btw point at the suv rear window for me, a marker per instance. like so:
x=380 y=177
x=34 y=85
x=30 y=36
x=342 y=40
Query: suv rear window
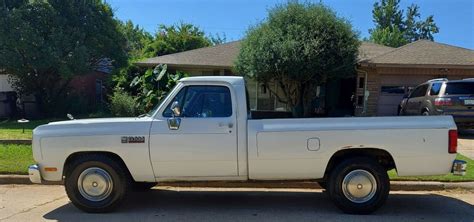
x=458 y=88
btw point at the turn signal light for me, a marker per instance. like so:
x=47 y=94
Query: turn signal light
x=50 y=169
x=453 y=141
x=443 y=102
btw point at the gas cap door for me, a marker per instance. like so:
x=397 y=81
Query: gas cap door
x=313 y=144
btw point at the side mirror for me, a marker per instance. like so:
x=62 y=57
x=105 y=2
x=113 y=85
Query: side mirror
x=175 y=108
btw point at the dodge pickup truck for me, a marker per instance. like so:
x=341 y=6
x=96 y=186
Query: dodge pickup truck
x=204 y=131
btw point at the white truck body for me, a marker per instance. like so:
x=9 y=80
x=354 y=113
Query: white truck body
x=237 y=147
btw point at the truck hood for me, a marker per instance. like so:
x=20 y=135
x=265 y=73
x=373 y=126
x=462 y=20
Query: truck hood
x=99 y=126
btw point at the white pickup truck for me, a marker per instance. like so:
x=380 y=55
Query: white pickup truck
x=204 y=131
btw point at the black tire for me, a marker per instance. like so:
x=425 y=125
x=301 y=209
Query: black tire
x=323 y=184
x=143 y=186
x=425 y=113
x=118 y=175
x=359 y=165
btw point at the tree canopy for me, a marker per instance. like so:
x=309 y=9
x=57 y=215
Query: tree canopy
x=393 y=28
x=299 y=46
x=44 y=44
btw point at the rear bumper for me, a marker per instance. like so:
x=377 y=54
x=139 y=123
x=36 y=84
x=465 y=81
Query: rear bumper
x=459 y=167
x=34 y=173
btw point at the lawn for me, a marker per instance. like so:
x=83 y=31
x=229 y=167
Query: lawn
x=443 y=178
x=11 y=129
x=15 y=159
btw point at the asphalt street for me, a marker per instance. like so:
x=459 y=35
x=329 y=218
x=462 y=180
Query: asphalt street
x=50 y=203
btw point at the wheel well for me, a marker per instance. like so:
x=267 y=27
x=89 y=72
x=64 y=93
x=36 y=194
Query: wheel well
x=381 y=156
x=111 y=155
x=424 y=109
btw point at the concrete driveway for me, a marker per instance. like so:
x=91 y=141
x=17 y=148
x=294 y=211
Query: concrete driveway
x=38 y=203
x=466 y=144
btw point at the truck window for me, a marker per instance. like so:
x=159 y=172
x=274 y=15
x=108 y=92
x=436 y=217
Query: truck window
x=203 y=102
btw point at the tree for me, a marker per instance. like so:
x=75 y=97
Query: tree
x=299 y=46
x=176 y=38
x=137 y=38
x=394 y=29
x=44 y=44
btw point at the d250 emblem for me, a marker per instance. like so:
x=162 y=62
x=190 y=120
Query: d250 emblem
x=133 y=139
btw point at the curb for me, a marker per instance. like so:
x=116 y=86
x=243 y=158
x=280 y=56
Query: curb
x=19 y=142
x=394 y=185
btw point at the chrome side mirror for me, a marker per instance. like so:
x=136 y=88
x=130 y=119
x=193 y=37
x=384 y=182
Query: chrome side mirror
x=174 y=121
x=175 y=109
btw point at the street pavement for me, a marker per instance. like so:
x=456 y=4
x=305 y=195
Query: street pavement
x=50 y=203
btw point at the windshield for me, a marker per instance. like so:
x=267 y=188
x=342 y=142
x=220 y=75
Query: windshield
x=460 y=88
x=152 y=111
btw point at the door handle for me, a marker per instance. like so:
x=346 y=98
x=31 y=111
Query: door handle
x=230 y=125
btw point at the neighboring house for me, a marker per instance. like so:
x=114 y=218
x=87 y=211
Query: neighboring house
x=88 y=88
x=384 y=75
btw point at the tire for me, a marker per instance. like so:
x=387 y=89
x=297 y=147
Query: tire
x=356 y=171
x=143 y=186
x=425 y=113
x=323 y=184
x=109 y=183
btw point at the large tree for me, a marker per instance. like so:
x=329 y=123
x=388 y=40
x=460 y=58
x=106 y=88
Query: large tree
x=45 y=43
x=393 y=28
x=298 y=47
x=176 y=38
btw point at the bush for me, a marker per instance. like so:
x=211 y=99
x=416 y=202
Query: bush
x=122 y=104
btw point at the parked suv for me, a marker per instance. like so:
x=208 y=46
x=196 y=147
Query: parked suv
x=442 y=97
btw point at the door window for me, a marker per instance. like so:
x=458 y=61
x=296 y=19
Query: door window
x=419 y=91
x=203 y=102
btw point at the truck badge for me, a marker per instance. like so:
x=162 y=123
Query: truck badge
x=133 y=139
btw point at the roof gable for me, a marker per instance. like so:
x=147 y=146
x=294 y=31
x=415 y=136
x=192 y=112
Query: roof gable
x=425 y=52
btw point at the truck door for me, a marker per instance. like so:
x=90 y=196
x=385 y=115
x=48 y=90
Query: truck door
x=200 y=141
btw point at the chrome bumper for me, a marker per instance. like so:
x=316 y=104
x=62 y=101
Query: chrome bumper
x=34 y=173
x=459 y=167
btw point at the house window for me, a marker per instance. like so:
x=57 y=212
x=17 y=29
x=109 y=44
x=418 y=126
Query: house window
x=361 y=82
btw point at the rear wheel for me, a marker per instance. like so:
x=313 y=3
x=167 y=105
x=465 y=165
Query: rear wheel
x=359 y=185
x=96 y=183
x=425 y=113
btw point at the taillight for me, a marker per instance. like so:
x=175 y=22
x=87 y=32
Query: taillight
x=443 y=102
x=453 y=141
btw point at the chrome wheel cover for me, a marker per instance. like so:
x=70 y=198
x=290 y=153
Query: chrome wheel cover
x=359 y=186
x=95 y=184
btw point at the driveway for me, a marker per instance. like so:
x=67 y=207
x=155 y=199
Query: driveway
x=466 y=144
x=38 y=203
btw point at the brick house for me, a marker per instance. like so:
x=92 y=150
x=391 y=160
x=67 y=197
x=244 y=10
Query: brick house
x=384 y=75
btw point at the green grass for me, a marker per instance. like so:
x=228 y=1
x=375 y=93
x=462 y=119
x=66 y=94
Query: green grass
x=15 y=159
x=442 y=178
x=11 y=129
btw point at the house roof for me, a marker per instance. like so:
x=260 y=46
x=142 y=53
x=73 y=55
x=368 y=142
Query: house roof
x=425 y=53
x=224 y=55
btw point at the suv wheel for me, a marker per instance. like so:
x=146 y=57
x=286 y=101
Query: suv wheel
x=425 y=113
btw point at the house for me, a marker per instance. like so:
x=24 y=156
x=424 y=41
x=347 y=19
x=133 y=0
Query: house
x=88 y=88
x=384 y=75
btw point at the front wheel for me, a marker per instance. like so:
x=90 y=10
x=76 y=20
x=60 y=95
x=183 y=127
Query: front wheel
x=96 y=183
x=359 y=185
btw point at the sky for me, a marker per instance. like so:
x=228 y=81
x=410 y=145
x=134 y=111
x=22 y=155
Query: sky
x=455 y=18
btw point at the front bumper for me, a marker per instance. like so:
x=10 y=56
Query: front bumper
x=459 y=167
x=34 y=173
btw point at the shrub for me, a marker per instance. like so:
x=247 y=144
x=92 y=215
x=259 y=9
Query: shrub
x=122 y=104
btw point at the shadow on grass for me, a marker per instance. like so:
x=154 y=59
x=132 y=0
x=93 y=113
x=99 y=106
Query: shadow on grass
x=164 y=205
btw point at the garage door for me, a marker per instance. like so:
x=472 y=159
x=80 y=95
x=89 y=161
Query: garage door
x=389 y=99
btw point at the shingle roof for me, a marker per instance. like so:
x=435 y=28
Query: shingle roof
x=424 y=52
x=224 y=55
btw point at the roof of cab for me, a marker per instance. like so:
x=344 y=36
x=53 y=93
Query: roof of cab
x=233 y=80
